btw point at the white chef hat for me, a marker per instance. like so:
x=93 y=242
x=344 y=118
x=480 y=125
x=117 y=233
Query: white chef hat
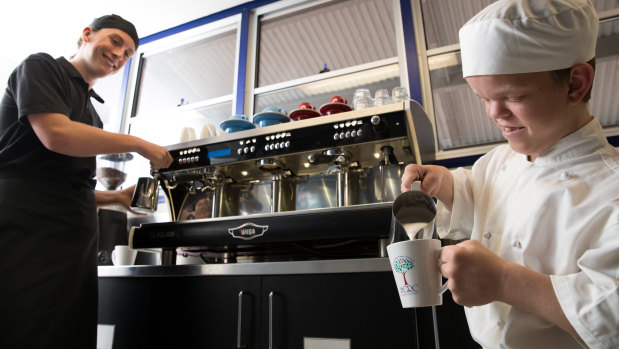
x=526 y=36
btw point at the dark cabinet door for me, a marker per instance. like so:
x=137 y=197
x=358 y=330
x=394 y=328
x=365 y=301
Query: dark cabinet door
x=125 y=303
x=204 y=312
x=277 y=312
x=362 y=307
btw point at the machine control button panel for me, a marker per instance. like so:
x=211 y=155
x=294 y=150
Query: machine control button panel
x=277 y=142
x=335 y=133
x=348 y=130
x=189 y=156
x=247 y=146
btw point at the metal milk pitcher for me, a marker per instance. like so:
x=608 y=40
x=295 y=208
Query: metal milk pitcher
x=146 y=195
x=413 y=215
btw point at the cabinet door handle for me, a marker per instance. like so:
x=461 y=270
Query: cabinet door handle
x=271 y=294
x=239 y=326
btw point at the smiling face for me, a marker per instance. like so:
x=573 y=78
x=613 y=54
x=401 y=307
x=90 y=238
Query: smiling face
x=103 y=52
x=532 y=110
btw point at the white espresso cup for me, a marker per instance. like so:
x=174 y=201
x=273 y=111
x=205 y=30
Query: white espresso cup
x=123 y=255
x=416 y=271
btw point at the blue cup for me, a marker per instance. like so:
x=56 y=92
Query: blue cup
x=275 y=110
x=267 y=122
x=239 y=117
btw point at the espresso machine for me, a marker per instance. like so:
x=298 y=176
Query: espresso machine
x=319 y=188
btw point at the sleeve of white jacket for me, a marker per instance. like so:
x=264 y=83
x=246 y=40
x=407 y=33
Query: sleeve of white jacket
x=590 y=298
x=457 y=224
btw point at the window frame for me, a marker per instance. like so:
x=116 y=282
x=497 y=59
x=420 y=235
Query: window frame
x=475 y=150
x=283 y=8
x=170 y=40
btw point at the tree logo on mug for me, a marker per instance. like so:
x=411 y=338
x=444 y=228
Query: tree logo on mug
x=403 y=264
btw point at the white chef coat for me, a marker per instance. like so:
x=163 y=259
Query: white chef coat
x=559 y=216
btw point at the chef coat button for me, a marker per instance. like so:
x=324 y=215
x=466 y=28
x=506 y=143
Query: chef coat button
x=564 y=176
x=487 y=235
x=501 y=324
x=503 y=168
x=516 y=244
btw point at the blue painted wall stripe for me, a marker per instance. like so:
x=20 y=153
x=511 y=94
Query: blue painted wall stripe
x=410 y=49
x=242 y=71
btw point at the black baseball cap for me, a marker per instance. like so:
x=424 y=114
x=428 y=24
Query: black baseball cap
x=117 y=22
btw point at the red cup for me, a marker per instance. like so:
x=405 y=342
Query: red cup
x=306 y=105
x=338 y=99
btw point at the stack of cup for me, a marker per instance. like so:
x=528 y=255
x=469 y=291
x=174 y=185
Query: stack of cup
x=208 y=130
x=362 y=99
x=399 y=94
x=188 y=134
x=381 y=97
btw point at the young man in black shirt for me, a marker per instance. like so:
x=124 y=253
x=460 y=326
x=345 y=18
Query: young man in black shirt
x=50 y=134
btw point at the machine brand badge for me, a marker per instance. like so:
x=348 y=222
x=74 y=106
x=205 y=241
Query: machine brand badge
x=402 y=264
x=248 y=231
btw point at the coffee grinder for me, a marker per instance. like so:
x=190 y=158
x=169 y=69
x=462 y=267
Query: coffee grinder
x=112 y=218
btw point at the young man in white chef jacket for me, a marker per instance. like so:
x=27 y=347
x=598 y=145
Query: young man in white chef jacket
x=542 y=213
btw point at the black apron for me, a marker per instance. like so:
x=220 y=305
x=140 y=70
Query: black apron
x=48 y=268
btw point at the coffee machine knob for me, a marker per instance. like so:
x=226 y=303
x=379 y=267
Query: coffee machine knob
x=375 y=120
x=380 y=125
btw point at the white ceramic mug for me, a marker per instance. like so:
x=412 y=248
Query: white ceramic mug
x=208 y=130
x=123 y=255
x=416 y=271
x=188 y=134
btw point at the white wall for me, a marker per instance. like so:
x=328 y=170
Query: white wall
x=30 y=26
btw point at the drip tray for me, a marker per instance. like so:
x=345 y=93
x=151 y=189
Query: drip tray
x=286 y=251
x=308 y=231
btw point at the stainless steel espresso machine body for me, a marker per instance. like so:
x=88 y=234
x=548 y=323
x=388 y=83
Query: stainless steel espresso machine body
x=310 y=189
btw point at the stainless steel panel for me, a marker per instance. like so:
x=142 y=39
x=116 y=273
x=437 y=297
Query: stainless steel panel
x=272 y=268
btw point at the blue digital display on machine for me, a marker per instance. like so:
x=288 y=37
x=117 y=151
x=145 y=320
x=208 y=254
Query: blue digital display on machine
x=218 y=153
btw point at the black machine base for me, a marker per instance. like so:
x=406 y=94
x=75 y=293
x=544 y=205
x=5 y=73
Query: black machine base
x=320 y=233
